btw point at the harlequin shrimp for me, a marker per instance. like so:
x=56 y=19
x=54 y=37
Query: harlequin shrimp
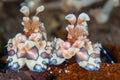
x=32 y=49
x=88 y=54
x=29 y=47
x=77 y=45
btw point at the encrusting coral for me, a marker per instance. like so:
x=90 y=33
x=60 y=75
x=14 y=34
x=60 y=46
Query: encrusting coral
x=33 y=49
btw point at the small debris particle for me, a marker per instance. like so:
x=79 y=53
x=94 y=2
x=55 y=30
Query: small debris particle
x=108 y=65
x=60 y=70
x=108 y=73
x=49 y=68
x=67 y=71
x=51 y=72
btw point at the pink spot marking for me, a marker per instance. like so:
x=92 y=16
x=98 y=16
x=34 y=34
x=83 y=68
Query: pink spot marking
x=66 y=54
x=72 y=53
x=78 y=44
x=45 y=55
x=33 y=36
x=11 y=52
x=15 y=65
x=32 y=53
x=82 y=55
x=95 y=55
x=60 y=53
x=21 y=53
x=65 y=45
x=21 y=39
